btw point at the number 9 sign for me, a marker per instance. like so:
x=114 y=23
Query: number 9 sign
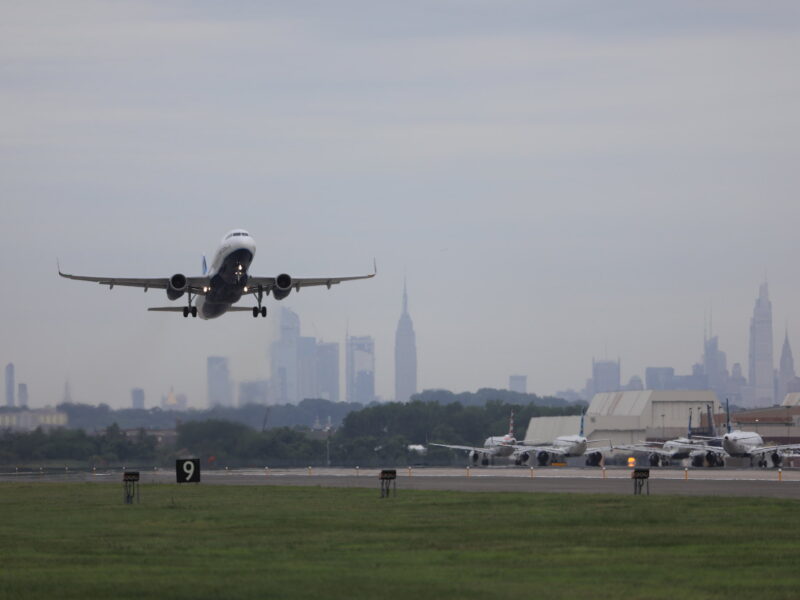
x=187 y=470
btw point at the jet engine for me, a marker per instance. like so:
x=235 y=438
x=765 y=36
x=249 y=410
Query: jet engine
x=543 y=458
x=593 y=459
x=776 y=459
x=283 y=285
x=474 y=457
x=522 y=459
x=698 y=459
x=176 y=286
x=655 y=460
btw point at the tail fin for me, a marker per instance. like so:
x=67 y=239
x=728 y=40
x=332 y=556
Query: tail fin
x=581 y=431
x=727 y=415
x=689 y=432
x=205 y=265
x=511 y=424
x=711 y=424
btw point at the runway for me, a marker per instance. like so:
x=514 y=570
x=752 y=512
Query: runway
x=693 y=482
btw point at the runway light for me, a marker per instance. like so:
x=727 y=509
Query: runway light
x=631 y=461
x=245 y=289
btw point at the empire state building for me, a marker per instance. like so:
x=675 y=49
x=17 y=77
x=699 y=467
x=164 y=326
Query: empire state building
x=405 y=356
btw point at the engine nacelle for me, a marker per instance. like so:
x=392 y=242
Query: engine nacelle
x=593 y=459
x=522 y=459
x=177 y=286
x=543 y=458
x=283 y=285
x=474 y=457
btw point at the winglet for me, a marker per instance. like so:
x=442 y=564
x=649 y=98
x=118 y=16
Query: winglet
x=58 y=266
x=374 y=267
x=205 y=265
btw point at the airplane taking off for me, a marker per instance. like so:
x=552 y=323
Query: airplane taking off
x=562 y=447
x=216 y=291
x=498 y=446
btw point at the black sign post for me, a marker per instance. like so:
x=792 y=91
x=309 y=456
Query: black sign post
x=640 y=477
x=130 y=484
x=187 y=470
x=388 y=479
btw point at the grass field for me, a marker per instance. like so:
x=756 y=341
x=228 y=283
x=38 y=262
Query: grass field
x=79 y=541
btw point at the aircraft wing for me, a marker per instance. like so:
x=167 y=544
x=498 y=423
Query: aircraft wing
x=702 y=447
x=298 y=282
x=643 y=448
x=788 y=448
x=549 y=449
x=194 y=284
x=466 y=448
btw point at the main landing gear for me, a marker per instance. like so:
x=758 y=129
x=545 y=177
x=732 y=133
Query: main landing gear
x=189 y=310
x=259 y=310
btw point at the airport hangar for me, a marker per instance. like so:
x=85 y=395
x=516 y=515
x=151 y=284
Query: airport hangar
x=629 y=417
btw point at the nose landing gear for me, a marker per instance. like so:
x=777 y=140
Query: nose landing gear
x=259 y=310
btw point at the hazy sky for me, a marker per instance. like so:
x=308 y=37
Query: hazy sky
x=559 y=180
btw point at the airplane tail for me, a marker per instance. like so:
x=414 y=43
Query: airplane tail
x=511 y=424
x=205 y=265
x=727 y=415
x=712 y=425
x=689 y=432
x=582 y=417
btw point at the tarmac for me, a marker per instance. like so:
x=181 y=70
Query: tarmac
x=771 y=483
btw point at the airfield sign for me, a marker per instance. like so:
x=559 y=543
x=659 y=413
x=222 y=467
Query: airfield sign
x=187 y=470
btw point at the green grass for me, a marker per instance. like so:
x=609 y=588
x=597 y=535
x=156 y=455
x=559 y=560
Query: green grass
x=80 y=541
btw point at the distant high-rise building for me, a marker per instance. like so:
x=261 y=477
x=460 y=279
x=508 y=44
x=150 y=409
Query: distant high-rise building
x=254 y=392
x=405 y=355
x=328 y=371
x=786 y=372
x=22 y=394
x=715 y=367
x=220 y=390
x=307 y=368
x=518 y=383
x=137 y=398
x=658 y=378
x=635 y=384
x=761 y=382
x=11 y=387
x=284 y=360
x=360 y=366
x=606 y=375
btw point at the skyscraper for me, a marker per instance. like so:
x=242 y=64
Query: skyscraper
x=328 y=371
x=761 y=382
x=220 y=390
x=283 y=360
x=405 y=355
x=360 y=369
x=606 y=375
x=715 y=367
x=137 y=398
x=786 y=372
x=11 y=388
x=22 y=394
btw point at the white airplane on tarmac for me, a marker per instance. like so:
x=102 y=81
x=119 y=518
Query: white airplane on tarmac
x=217 y=290
x=497 y=446
x=746 y=444
x=562 y=447
x=662 y=454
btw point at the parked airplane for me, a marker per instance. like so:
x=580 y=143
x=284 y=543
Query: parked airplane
x=746 y=444
x=217 y=290
x=562 y=447
x=498 y=446
x=662 y=454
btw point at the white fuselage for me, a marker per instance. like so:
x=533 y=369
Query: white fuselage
x=227 y=274
x=572 y=445
x=741 y=443
x=500 y=445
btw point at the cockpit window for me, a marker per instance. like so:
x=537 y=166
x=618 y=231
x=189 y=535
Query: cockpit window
x=236 y=233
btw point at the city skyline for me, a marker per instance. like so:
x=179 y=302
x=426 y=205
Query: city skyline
x=559 y=183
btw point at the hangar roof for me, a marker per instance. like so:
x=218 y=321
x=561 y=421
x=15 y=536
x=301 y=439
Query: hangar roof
x=634 y=404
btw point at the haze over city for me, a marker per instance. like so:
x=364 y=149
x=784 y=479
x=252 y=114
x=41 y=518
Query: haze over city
x=556 y=181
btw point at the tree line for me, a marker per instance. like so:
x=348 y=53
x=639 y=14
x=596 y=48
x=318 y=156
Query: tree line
x=372 y=436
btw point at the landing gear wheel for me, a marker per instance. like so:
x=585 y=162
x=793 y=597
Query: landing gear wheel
x=255 y=311
x=185 y=311
x=194 y=311
x=263 y=311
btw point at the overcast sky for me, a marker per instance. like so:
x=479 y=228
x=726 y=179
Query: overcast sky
x=558 y=180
